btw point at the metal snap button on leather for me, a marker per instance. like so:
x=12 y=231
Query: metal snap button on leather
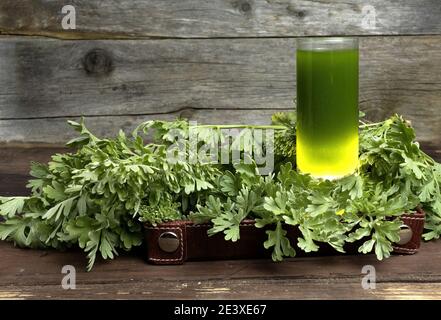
x=405 y=235
x=168 y=242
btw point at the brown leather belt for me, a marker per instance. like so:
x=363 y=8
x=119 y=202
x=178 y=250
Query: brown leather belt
x=180 y=241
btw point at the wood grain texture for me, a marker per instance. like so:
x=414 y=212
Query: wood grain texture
x=56 y=130
x=36 y=274
x=120 y=83
x=15 y=165
x=220 y=18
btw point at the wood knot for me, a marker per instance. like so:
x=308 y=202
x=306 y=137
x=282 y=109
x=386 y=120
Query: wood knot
x=187 y=113
x=98 y=62
x=243 y=6
x=296 y=12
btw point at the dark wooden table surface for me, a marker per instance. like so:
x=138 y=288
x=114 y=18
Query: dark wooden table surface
x=32 y=274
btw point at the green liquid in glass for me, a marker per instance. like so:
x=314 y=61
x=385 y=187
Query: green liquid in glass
x=327 y=111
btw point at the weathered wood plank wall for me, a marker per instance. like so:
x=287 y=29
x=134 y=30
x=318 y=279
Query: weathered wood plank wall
x=45 y=82
x=213 y=61
x=219 y=18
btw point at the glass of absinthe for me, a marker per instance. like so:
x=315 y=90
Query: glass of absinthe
x=327 y=106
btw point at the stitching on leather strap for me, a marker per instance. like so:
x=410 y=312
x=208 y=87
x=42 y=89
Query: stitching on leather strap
x=210 y=225
x=404 y=249
x=413 y=218
x=198 y=225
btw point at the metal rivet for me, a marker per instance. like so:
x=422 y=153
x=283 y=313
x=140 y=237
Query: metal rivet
x=168 y=242
x=405 y=235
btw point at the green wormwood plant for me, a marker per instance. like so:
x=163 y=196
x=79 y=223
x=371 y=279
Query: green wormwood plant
x=99 y=197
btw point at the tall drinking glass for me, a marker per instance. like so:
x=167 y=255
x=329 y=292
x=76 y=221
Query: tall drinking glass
x=327 y=106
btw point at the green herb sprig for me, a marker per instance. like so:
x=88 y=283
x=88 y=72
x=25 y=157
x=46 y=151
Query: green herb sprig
x=99 y=197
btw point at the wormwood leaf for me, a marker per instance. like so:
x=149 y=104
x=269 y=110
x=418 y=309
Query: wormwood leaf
x=383 y=248
x=55 y=192
x=85 y=135
x=413 y=166
x=99 y=196
x=287 y=119
x=107 y=244
x=230 y=184
x=276 y=205
x=353 y=184
x=427 y=191
x=280 y=243
x=228 y=222
x=367 y=246
x=61 y=209
x=359 y=234
x=247 y=200
x=8 y=228
x=17 y=230
x=285 y=140
x=249 y=170
x=78 y=230
x=10 y=207
x=130 y=239
x=320 y=203
x=92 y=249
x=287 y=176
x=39 y=170
x=82 y=205
x=306 y=243
x=212 y=209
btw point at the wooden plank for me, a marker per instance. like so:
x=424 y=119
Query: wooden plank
x=433 y=149
x=47 y=264
x=16 y=159
x=46 y=78
x=15 y=165
x=45 y=82
x=56 y=130
x=225 y=18
x=37 y=274
x=227 y=290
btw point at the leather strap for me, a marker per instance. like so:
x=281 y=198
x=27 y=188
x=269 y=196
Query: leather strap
x=185 y=241
x=416 y=224
x=158 y=256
